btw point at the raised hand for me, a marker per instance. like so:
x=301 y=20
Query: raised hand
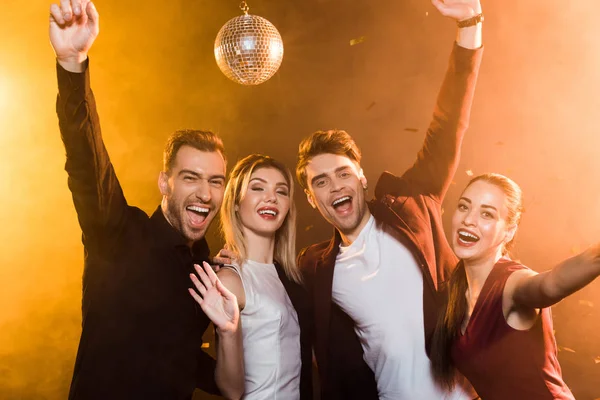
x=458 y=9
x=74 y=25
x=218 y=303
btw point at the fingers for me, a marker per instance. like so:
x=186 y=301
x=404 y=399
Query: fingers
x=208 y=278
x=439 y=4
x=195 y=296
x=201 y=288
x=70 y=10
x=76 y=7
x=206 y=281
x=228 y=254
x=225 y=256
x=221 y=260
x=92 y=13
x=594 y=250
x=224 y=291
x=222 y=252
x=457 y=9
x=210 y=273
x=66 y=10
x=56 y=14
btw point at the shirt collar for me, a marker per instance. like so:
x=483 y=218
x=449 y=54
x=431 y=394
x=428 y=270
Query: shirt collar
x=172 y=238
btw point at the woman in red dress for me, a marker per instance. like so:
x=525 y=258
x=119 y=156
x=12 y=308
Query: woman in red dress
x=496 y=329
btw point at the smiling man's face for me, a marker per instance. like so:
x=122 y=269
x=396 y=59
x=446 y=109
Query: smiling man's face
x=193 y=191
x=336 y=187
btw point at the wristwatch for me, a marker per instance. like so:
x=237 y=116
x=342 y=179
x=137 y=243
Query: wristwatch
x=470 y=21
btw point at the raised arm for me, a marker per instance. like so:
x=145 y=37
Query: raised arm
x=97 y=195
x=221 y=306
x=437 y=161
x=526 y=289
x=462 y=11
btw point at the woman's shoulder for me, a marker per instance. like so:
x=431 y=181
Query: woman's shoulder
x=231 y=277
x=509 y=266
x=233 y=268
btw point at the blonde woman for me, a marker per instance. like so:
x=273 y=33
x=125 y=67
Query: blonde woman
x=258 y=220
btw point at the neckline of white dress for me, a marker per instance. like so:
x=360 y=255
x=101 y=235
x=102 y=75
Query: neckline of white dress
x=259 y=264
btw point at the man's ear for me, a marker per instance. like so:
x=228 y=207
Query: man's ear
x=363 y=179
x=163 y=183
x=310 y=199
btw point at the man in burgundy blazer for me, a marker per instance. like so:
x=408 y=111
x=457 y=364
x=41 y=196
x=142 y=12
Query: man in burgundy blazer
x=410 y=204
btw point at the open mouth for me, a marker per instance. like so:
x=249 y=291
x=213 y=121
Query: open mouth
x=341 y=202
x=466 y=237
x=198 y=214
x=268 y=213
x=342 y=205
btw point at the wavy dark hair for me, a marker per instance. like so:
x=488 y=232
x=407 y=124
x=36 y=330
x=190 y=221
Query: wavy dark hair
x=200 y=140
x=334 y=141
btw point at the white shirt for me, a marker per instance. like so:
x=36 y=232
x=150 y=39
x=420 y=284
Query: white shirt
x=271 y=335
x=378 y=283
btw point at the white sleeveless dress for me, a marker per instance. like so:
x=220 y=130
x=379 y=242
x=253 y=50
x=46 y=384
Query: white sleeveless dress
x=271 y=335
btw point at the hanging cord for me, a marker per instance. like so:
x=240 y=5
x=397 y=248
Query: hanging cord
x=244 y=7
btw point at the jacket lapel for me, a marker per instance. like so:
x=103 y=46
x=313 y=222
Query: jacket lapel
x=384 y=212
x=322 y=300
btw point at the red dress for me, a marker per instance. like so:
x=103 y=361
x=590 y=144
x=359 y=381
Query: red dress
x=502 y=362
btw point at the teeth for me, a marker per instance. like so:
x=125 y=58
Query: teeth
x=341 y=199
x=198 y=209
x=467 y=234
x=270 y=212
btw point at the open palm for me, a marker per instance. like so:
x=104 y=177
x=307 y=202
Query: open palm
x=218 y=303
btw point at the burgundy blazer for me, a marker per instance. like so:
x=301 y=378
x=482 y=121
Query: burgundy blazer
x=412 y=204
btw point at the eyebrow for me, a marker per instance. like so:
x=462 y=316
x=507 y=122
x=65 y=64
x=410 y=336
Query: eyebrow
x=197 y=175
x=482 y=206
x=264 y=181
x=323 y=175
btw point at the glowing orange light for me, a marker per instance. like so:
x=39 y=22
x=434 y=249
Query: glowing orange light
x=4 y=93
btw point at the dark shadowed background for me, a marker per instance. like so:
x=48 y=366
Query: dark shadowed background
x=153 y=71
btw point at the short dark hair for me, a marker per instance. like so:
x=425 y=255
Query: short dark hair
x=200 y=140
x=333 y=141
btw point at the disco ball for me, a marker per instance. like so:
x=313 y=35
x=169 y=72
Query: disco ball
x=248 y=49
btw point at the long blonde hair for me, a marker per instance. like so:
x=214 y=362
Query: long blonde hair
x=231 y=224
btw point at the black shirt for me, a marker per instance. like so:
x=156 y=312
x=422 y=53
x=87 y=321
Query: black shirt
x=141 y=330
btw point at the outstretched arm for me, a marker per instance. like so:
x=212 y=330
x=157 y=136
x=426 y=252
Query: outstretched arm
x=221 y=306
x=530 y=290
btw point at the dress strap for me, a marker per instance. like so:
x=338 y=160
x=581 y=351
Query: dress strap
x=232 y=267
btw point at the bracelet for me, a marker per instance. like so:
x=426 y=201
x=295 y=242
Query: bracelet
x=470 y=21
